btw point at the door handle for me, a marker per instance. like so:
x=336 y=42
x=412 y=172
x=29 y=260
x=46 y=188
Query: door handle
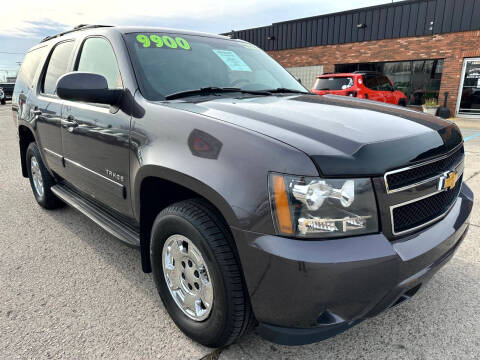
x=69 y=123
x=34 y=113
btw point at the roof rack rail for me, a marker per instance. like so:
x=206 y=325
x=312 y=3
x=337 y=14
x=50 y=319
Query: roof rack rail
x=76 y=28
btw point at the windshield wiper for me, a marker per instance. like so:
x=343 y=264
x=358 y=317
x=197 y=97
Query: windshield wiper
x=213 y=90
x=285 y=90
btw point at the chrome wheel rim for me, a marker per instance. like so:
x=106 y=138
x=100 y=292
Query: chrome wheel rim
x=36 y=176
x=187 y=277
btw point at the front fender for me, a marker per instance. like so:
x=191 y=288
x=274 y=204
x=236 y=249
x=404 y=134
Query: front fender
x=225 y=163
x=186 y=181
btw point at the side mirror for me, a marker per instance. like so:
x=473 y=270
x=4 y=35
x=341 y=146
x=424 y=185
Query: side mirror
x=87 y=87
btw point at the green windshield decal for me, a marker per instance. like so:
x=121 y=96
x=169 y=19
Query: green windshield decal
x=232 y=60
x=162 y=41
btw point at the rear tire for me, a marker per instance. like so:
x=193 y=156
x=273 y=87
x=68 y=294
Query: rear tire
x=3 y=102
x=196 y=223
x=40 y=179
x=402 y=102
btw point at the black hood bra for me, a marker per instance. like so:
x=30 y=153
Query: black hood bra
x=343 y=136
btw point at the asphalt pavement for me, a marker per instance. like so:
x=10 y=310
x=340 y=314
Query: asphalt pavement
x=70 y=290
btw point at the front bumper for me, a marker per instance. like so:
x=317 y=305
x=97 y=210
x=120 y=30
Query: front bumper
x=303 y=291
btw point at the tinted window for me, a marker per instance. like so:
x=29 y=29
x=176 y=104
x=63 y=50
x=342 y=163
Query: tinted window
x=371 y=82
x=384 y=84
x=98 y=57
x=57 y=66
x=29 y=66
x=333 y=83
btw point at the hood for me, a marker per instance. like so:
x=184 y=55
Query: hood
x=343 y=136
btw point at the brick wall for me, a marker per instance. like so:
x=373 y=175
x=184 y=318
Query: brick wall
x=453 y=47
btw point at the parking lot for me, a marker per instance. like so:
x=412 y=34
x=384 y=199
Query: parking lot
x=71 y=290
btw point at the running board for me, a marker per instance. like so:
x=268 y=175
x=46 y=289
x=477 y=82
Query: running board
x=124 y=233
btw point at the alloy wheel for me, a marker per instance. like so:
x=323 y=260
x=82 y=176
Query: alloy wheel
x=36 y=176
x=187 y=277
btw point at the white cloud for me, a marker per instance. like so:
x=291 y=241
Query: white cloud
x=70 y=13
x=54 y=14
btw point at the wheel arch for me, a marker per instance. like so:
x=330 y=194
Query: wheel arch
x=26 y=136
x=148 y=202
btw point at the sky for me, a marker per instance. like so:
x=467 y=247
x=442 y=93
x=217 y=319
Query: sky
x=24 y=23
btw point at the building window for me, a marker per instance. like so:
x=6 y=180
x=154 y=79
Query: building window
x=306 y=74
x=418 y=79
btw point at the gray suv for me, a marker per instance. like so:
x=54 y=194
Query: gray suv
x=253 y=202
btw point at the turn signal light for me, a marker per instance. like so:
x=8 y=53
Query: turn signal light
x=282 y=207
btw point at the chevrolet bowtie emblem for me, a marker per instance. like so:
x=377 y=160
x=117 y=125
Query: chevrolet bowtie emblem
x=447 y=181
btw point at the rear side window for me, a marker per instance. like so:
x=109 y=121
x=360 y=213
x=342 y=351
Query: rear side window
x=333 y=83
x=57 y=66
x=30 y=66
x=378 y=82
x=384 y=84
x=97 y=57
x=371 y=82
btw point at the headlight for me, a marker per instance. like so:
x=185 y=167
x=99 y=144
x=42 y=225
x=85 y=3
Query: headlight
x=322 y=208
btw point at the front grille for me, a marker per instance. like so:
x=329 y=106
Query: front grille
x=397 y=180
x=423 y=211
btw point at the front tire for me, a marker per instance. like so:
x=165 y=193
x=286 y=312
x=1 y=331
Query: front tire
x=40 y=179
x=198 y=275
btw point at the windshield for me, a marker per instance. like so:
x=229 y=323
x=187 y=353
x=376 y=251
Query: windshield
x=167 y=63
x=333 y=83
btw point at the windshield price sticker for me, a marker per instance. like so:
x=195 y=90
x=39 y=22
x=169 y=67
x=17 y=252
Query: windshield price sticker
x=232 y=60
x=162 y=42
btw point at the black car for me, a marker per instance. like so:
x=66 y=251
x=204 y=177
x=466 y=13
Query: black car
x=3 y=97
x=7 y=90
x=253 y=202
